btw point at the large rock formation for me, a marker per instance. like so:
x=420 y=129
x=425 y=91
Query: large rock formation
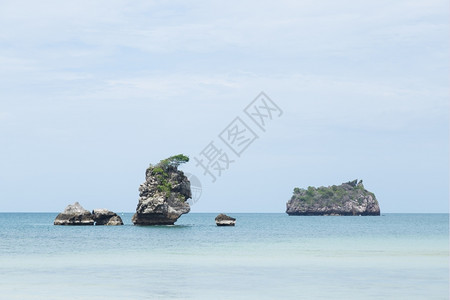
x=347 y=199
x=164 y=194
x=74 y=215
x=224 y=220
x=106 y=217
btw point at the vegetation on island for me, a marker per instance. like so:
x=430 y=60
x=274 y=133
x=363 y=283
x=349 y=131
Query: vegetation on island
x=332 y=195
x=161 y=171
x=174 y=161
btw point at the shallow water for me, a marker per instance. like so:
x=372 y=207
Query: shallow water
x=265 y=256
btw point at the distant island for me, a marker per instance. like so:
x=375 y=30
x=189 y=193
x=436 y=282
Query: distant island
x=347 y=199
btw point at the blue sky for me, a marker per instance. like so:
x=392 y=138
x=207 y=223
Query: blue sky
x=91 y=92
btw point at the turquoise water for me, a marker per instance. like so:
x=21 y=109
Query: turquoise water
x=266 y=256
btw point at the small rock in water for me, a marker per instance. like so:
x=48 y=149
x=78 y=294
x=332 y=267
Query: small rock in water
x=224 y=220
x=106 y=217
x=74 y=214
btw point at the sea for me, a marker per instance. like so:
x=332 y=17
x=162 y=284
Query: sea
x=265 y=256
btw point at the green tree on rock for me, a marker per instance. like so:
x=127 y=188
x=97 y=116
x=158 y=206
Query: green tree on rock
x=174 y=161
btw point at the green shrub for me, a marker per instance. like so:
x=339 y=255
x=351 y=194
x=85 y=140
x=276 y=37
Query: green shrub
x=157 y=170
x=161 y=172
x=174 y=161
x=310 y=191
x=165 y=187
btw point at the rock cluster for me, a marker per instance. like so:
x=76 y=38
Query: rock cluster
x=347 y=199
x=163 y=196
x=224 y=220
x=75 y=214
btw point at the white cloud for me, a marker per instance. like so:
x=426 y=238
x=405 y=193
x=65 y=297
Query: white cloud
x=205 y=26
x=322 y=100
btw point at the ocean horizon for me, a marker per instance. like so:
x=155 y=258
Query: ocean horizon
x=265 y=256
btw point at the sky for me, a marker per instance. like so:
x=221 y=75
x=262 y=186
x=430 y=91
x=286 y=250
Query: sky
x=92 y=92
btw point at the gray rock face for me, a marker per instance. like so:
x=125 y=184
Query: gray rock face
x=74 y=215
x=114 y=221
x=224 y=220
x=163 y=196
x=106 y=217
x=347 y=199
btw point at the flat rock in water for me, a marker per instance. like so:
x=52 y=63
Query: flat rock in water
x=74 y=214
x=106 y=217
x=224 y=220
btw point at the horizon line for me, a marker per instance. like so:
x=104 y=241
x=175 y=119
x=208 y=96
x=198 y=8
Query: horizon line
x=208 y=212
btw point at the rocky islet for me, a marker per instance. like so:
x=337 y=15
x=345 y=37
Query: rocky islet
x=347 y=199
x=75 y=214
x=163 y=195
x=224 y=220
x=106 y=217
